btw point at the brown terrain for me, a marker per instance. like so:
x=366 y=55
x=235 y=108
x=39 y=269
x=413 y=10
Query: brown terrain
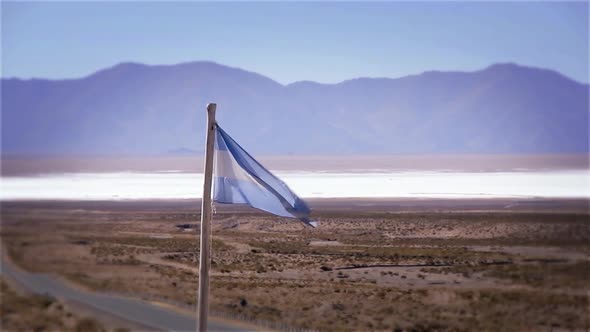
x=20 y=166
x=371 y=265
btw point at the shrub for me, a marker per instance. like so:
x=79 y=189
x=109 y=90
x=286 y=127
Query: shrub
x=88 y=325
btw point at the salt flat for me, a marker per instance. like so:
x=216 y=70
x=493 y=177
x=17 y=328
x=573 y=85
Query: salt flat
x=316 y=184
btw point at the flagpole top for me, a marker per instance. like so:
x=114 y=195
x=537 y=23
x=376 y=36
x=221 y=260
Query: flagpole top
x=211 y=107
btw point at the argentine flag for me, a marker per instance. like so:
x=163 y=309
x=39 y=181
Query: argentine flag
x=240 y=179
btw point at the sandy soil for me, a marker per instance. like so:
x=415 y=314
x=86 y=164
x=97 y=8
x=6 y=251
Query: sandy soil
x=371 y=265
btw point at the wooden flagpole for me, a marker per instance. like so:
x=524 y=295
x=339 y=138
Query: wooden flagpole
x=205 y=258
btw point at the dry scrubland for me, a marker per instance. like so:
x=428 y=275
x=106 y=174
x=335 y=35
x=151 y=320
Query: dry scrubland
x=362 y=269
x=20 y=311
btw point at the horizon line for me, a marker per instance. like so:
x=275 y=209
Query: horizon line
x=122 y=63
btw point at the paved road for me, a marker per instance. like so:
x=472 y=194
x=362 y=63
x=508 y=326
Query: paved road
x=141 y=312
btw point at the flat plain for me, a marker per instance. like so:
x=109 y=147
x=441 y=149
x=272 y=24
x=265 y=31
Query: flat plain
x=386 y=265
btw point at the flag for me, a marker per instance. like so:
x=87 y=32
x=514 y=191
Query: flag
x=240 y=179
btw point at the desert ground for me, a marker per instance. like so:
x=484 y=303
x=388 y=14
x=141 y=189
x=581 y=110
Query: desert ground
x=14 y=165
x=371 y=265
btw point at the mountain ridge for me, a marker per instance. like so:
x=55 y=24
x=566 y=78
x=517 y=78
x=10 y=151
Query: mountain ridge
x=149 y=109
x=213 y=63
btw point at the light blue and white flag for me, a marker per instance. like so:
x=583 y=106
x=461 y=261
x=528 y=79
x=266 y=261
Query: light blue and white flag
x=240 y=179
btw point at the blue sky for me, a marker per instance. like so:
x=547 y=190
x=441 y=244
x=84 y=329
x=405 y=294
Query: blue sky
x=288 y=41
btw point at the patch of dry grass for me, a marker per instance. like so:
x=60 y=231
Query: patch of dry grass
x=39 y=313
x=559 y=275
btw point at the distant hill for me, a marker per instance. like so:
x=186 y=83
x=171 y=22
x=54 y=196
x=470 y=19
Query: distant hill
x=139 y=109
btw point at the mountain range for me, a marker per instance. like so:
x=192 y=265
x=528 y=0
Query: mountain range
x=132 y=108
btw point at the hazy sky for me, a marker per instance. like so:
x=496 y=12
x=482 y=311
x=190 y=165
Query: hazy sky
x=325 y=42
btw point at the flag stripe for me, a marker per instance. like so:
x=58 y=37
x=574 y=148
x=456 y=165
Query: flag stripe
x=225 y=166
x=232 y=191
